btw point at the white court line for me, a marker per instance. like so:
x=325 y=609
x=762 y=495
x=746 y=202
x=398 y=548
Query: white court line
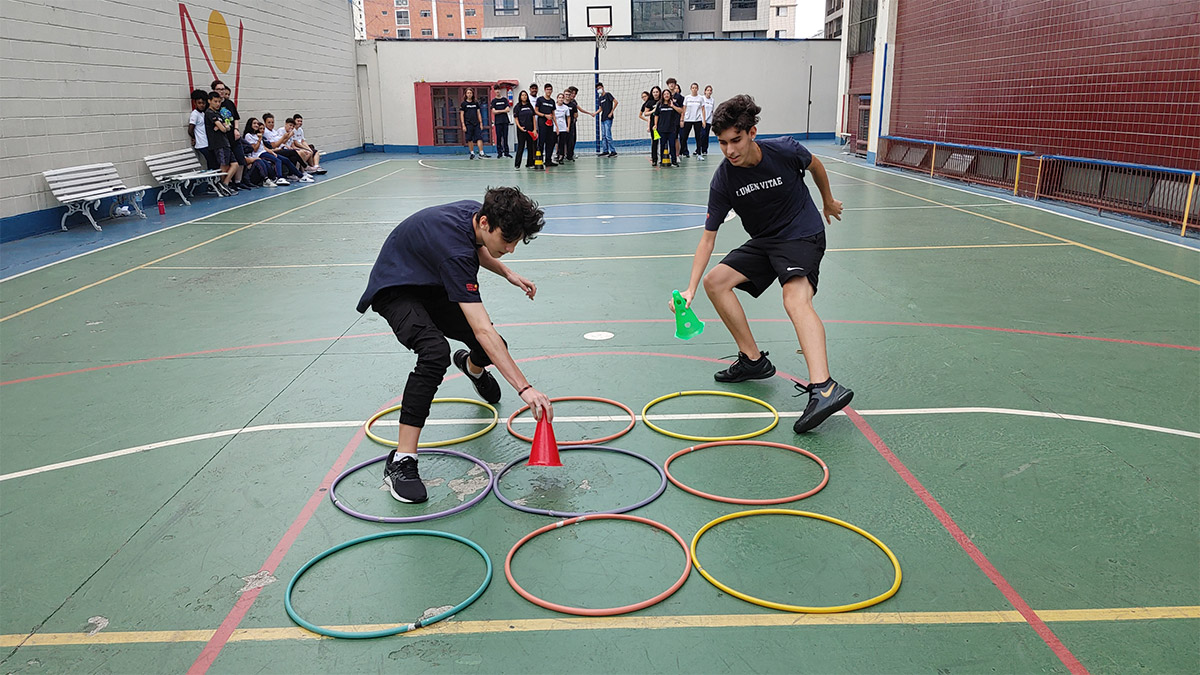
x=189 y=222
x=606 y=257
x=901 y=174
x=589 y=418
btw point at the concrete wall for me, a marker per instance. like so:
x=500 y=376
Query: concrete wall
x=86 y=81
x=393 y=67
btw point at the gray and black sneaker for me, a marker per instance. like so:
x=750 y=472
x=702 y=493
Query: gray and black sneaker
x=744 y=369
x=403 y=481
x=824 y=399
x=485 y=385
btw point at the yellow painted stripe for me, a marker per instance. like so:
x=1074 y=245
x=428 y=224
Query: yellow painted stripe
x=1027 y=229
x=608 y=257
x=118 y=275
x=780 y=619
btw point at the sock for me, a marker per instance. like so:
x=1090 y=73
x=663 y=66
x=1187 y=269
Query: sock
x=473 y=375
x=396 y=456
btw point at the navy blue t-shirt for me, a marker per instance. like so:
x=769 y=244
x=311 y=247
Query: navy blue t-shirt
x=524 y=115
x=500 y=103
x=546 y=106
x=606 y=105
x=770 y=197
x=470 y=111
x=433 y=247
x=668 y=118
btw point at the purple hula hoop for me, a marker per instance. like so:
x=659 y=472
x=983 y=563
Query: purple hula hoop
x=564 y=514
x=413 y=519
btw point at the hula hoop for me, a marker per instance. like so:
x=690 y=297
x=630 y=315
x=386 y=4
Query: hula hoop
x=435 y=444
x=611 y=611
x=592 y=441
x=411 y=519
x=403 y=628
x=834 y=609
x=730 y=394
x=563 y=514
x=748 y=502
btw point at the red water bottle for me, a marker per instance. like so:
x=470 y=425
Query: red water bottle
x=162 y=208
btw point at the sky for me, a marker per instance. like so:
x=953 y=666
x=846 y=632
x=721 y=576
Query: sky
x=810 y=17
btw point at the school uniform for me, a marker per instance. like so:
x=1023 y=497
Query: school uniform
x=500 y=120
x=470 y=116
x=547 y=139
x=526 y=120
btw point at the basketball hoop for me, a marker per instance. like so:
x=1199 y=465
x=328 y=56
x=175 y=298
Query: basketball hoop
x=602 y=36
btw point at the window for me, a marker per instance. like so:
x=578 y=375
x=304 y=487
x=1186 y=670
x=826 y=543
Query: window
x=780 y=34
x=402 y=3
x=860 y=27
x=426 y=32
x=470 y=12
x=387 y=30
x=472 y=31
x=702 y=4
x=403 y=33
x=781 y=11
x=833 y=28
x=832 y=6
x=424 y=14
x=402 y=17
x=743 y=10
x=702 y=36
x=545 y=6
x=449 y=34
x=505 y=8
x=746 y=34
x=657 y=17
x=385 y=12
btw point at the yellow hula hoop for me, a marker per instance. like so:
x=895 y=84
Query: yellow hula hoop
x=730 y=394
x=434 y=444
x=796 y=608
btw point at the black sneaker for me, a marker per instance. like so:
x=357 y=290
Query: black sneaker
x=744 y=369
x=485 y=385
x=403 y=481
x=823 y=400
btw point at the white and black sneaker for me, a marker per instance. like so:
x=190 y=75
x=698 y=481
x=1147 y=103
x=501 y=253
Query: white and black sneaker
x=744 y=369
x=403 y=481
x=485 y=385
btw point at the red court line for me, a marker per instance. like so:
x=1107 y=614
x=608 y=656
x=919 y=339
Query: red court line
x=243 y=604
x=612 y=321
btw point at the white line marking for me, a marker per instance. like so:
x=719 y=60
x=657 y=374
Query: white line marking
x=196 y=220
x=590 y=418
x=918 y=179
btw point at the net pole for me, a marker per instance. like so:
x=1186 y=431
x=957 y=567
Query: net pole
x=595 y=96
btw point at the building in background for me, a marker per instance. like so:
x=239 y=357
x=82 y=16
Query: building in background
x=546 y=19
x=833 y=18
x=424 y=19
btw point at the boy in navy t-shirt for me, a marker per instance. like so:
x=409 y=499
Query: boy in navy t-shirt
x=500 y=110
x=425 y=284
x=763 y=182
x=470 y=115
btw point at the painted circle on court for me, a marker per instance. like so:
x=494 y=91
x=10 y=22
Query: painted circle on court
x=615 y=218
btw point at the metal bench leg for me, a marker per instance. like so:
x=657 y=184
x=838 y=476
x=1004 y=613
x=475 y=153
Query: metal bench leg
x=179 y=191
x=87 y=207
x=135 y=202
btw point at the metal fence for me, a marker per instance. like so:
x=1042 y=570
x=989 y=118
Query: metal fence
x=1155 y=192
x=998 y=167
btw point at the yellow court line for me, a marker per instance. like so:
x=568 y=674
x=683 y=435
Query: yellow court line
x=609 y=257
x=190 y=248
x=621 y=623
x=1027 y=229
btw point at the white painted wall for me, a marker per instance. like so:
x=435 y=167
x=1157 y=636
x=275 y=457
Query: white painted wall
x=775 y=73
x=86 y=81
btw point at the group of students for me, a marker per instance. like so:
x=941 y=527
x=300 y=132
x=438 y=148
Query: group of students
x=259 y=154
x=546 y=124
x=667 y=111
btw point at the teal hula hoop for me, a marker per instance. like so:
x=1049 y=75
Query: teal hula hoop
x=403 y=628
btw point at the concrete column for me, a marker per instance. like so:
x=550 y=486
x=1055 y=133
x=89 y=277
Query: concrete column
x=881 y=76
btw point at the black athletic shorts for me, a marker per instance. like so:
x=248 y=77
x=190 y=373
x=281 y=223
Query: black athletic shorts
x=762 y=261
x=474 y=133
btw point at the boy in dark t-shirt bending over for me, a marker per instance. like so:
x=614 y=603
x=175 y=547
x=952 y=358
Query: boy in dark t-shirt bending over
x=425 y=284
x=763 y=182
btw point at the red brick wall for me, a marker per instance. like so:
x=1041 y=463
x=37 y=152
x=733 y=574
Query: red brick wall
x=861 y=67
x=1109 y=79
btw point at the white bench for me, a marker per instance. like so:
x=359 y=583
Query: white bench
x=178 y=168
x=80 y=189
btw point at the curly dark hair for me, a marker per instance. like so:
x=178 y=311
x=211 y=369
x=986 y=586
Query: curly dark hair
x=517 y=216
x=739 y=112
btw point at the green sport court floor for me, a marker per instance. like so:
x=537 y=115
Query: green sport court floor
x=1023 y=437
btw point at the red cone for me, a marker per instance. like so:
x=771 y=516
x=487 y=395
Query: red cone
x=545 y=448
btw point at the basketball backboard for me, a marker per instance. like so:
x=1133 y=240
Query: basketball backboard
x=583 y=14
